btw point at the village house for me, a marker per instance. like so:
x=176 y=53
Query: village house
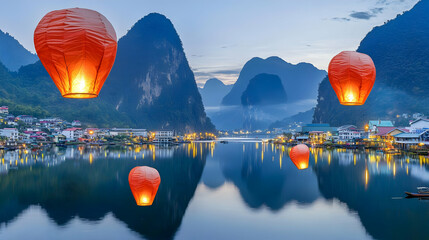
x=128 y=132
x=388 y=133
x=72 y=133
x=4 y=110
x=419 y=125
x=406 y=140
x=373 y=124
x=349 y=133
x=10 y=133
x=26 y=119
x=317 y=136
x=163 y=136
x=58 y=138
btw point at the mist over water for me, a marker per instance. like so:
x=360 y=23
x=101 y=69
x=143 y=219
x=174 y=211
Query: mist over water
x=255 y=117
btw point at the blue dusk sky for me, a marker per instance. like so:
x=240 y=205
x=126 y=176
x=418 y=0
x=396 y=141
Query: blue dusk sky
x=220 y=36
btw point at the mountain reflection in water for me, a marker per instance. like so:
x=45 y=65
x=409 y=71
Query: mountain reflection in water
x=211 y=191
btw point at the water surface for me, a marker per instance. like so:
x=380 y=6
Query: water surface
x=240 y=190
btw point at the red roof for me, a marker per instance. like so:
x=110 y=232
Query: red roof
x=72 y=129
x=383 y=131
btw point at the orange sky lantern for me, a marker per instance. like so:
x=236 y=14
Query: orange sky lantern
x=144 y=183
x=300 y=155
x=352 y=76
x=78 y=48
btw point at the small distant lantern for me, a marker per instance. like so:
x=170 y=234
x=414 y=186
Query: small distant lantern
x=352 y=76
x=144 y=182
x=300 y=155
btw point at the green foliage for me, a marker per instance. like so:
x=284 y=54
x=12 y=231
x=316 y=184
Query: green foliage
x=400 y=51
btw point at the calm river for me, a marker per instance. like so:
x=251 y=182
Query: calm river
x=239 y=190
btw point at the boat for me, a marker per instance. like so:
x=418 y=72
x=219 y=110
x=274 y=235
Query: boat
x=422 y=192
x=417 y=195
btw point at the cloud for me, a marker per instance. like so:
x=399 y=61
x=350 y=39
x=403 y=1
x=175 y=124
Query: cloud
x=361 y=15
x=341 y=19
x=377 y=10
x=228 y=76
x=389 y=2
x=367 y=14
x=231 y=71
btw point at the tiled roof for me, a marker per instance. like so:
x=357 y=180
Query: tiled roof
x=72 y=129
x=381 y=123
x=382 y=131
x=407 y=135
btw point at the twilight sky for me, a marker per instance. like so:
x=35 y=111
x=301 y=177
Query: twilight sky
x=220 y=36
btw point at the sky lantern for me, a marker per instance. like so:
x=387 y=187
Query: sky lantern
x=78 y=48
x=144 y=183
x=300 y=155
x=352 y=76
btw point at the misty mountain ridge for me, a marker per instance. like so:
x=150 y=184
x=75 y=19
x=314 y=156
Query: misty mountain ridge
x=300 y=81
x=264 y=89
x=150 y=86
x=152 y=82
x=213 y=91
x=399 y=49
x=12 y=54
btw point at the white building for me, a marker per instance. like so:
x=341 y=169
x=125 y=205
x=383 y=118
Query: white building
x=4 y=110
x=163 y=136
x=349 y=132
x=128 y=132
x=140 y=132
x=10 y=133
x=26 y=119
x=419 y=125
x=72 y=133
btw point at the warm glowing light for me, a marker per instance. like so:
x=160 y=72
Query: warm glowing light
x=394 y=169
x=366 y=177
x=144 y=200
x=350 y=97
x=352 y=77
x=78 y=48
x=144 y=183
x=300 y=155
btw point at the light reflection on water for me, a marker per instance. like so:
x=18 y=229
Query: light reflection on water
x=211 y=190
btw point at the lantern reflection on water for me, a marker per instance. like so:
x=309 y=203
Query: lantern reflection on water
x=144 y=182
x=300 y=155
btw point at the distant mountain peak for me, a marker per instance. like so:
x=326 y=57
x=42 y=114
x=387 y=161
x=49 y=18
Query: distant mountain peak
x=154 y=27
x=212 y=82
x=213 y=92
x=302 y=79
x=264 y=89
x=12 y=54
x=151 y=80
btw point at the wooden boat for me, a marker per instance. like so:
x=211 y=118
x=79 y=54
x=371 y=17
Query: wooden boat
x=417 y=195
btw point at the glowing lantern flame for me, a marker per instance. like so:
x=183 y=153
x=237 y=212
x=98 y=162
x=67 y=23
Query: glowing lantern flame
x=78 y=48
x=144 y=183
x=352 y=77
x=300 y=155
